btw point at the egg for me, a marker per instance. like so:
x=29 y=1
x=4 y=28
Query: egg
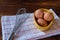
x=48 y=16
x=42 y=22
x=39 y=13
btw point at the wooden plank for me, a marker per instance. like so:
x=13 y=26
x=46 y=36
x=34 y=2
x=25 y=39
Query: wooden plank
x=10 y=7
x=49 y=38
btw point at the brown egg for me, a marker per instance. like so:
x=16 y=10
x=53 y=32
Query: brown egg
x=48 y=16
x=42 y=22
x=39 y=13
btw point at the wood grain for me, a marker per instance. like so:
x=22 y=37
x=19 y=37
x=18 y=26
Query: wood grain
x=10 y=7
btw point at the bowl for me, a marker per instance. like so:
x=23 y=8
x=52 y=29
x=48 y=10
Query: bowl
x=46 y=27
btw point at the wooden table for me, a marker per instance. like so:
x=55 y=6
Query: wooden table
x=10 y=7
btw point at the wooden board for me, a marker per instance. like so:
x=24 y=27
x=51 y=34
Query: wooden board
x=10 y=7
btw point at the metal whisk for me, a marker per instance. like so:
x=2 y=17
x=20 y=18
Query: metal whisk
x=21 y=17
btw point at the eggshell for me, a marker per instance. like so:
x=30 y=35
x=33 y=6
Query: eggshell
x=42 y=22
x=39 y=13
x=48 y=16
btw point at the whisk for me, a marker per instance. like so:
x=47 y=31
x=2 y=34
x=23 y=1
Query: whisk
x=21 y=17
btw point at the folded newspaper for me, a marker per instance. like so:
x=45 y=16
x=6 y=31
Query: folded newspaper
x=28 y=30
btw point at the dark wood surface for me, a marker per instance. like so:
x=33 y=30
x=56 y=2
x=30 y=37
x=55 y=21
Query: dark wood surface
x=10 y=7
